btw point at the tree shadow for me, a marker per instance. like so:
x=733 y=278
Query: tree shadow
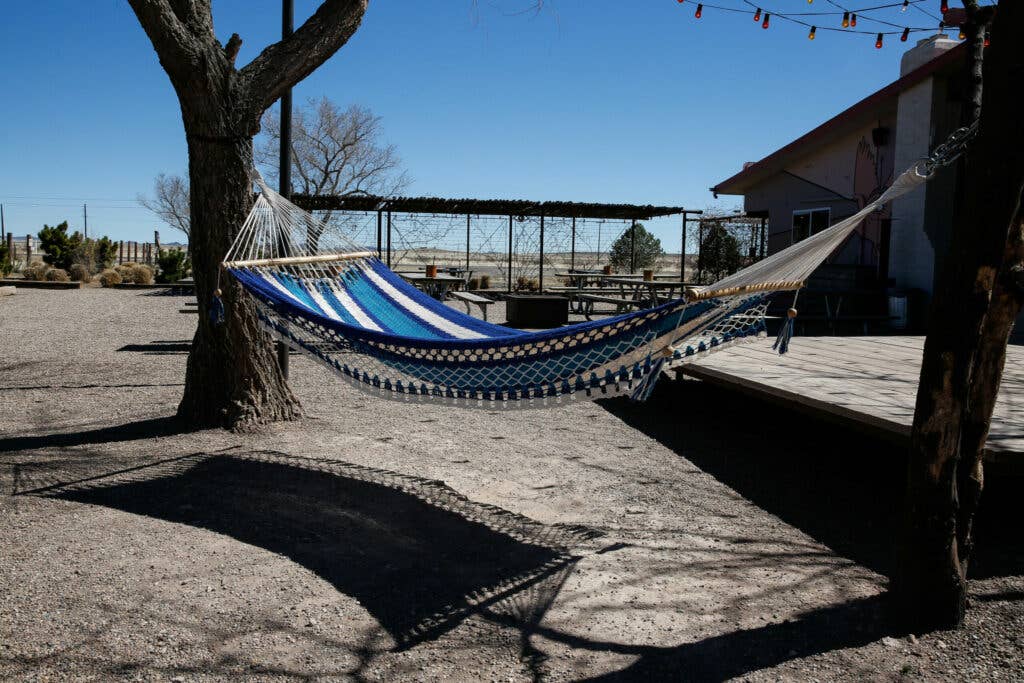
x=842 y=487
x=416 y=554
x=129 y=431
x=734 y=654
x=159 y=348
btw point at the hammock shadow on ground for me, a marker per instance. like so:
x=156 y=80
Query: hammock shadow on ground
x=843 y=488
x=417 y=555
x=159 y=348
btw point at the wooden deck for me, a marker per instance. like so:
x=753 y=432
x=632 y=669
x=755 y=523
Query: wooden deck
x=867 y=382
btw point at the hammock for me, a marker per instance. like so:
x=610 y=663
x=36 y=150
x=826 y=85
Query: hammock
x=337 y=302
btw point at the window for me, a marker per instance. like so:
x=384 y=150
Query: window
x=807 y=222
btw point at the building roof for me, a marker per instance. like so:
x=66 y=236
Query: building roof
x=863 y=112
x=484 y=207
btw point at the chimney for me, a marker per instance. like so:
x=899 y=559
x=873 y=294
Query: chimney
x=925 y=51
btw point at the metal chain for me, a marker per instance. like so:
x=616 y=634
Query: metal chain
x=949 y=151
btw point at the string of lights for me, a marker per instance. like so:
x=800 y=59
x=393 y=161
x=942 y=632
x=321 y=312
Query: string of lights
x=848 y=17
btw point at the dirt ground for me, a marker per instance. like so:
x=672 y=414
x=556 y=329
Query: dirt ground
x=700 y=536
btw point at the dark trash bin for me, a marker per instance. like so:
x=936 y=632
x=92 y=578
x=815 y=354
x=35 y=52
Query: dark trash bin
x=536 y=310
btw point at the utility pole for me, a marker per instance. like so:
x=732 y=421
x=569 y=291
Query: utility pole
x=285 y=155
x=85 y=220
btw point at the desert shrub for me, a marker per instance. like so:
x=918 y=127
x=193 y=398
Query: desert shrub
x=526 y=284
x=5 y=260
x=173 y=265
x=36 y=271
x=110 y=277
x=141 y=274
x=104 y=252
x=124 y=270
x=474 y=283
x=80 y=273
x=57 y=275
x=60 y=247
x=485 y=282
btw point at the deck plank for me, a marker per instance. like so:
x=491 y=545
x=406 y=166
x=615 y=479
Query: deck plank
x=863 y=381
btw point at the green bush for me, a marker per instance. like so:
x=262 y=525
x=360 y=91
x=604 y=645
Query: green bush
x=5 y=260
x=80 y=273
x=173 y=265
x=104 y=252
x=109 y=278
x=642 y=249
x=57 y=275
x=36 y=271
x=60 y=247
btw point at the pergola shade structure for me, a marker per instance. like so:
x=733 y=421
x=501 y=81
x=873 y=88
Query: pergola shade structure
x=509 y=239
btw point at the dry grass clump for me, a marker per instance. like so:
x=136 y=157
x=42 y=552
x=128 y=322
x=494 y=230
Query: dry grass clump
x=79 y=273
x=474 y=283
x=135 y=273
x=35 y=272
x=110 y=277
x=142 y=274
x=57 y=275
x=485 y=282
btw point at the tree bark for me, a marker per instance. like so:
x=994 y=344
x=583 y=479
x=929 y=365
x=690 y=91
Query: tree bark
x=972 y=313
x=233 y=379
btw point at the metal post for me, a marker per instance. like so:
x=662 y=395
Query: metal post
x=540 y=279
x=510 y=253
x=3 y=226
x=682 y=254
x=28 y=250
x=380 y=217
x=285 y=156
x=700 y=249
x=85 y=220
x=632 y=247
x=467 y=245
x=389 y=239
x=572 y=253
x=764 y=235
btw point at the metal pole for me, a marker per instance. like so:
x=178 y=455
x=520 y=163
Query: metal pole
x=389 y=239
x=540 y=279
x=3 y=226
x=380 y=217
x=510 y=253
x=467 y=245
x=632 y=247
x=285 y=156
x=572 y=254
x=682 y=255
x=764 y=235
x=85 y=220
x=700 y=249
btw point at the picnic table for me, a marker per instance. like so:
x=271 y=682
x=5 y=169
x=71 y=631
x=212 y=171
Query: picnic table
x=436 y=286
x=625 y=292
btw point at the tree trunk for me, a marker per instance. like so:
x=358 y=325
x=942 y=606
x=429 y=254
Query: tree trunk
x=972 y=313
x=233 y=379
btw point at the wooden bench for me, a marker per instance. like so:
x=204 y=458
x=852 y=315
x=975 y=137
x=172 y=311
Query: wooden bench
x=469 y=298
x=587 y=302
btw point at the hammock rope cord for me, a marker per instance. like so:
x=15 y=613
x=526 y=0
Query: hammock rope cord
x=335 y=301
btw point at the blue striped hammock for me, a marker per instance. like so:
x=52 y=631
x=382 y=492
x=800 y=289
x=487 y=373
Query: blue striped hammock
x=326 y=297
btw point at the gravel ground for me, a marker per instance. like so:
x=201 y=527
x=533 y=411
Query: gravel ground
x=691 y=538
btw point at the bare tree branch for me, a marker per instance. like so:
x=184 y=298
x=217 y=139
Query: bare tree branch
x=169 y=202
x=288 y=61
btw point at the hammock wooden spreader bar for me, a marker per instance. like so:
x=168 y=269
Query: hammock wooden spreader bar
x=698 y=294
x=299 y=260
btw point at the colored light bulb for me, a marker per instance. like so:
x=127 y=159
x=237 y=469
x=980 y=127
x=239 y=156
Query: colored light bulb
x=962 y=34
x=764 y=24
x=853 y=19
x=988 y=41
x=905 y=35
x=846 y=20
x=757 y=14
x=906 y=4
x=878 y=42
x=700 y=11
x=810 y=36
x=944 y=7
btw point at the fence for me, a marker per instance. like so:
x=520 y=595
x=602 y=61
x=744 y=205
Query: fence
x=26 y=249
x=512 y=252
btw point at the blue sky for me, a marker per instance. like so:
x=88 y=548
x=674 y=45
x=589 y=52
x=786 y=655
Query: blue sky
x=589 y=100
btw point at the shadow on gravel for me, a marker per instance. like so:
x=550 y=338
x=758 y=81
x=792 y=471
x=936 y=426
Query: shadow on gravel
x=416 y=554
x=159 y=348
x=130 y=431
x=732 y=655
x=843 y=488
